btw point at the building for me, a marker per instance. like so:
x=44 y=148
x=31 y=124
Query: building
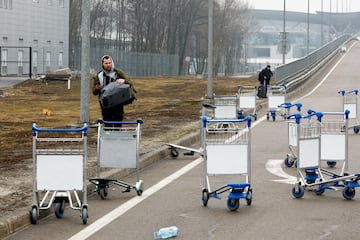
x=304 y=34
x=34 y=36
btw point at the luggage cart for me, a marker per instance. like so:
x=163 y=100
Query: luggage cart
x=276 y=97
x=59 y=171
x=118 y=147
x=288 y=106
x=350 y=100
x=310 y=175
x=246 y=102
x=227 y=153
x=225 y=108
x=291 y=156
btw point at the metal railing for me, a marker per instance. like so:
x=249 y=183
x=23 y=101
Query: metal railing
x=295 y=73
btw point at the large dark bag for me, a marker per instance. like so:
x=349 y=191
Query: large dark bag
x=261 y=91
x=115 y=94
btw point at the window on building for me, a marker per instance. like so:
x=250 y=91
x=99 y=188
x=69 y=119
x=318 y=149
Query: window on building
x=61 y=60
x=1 y=3
x=61 y=3
x=20 y=58
x=5 y=39
x=9 y=4
x=35 y=58
x=4 y=54
x=48 y=61
x=35 y=62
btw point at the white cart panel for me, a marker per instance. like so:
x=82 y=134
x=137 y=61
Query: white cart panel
x=309 y=153
x=247 y=102
x=117 y=152
x=275 y=101
x=333 y=147
x=292 y=134
x=352 y=108
x=60 y=172
x=225 y=112
x=227 y=159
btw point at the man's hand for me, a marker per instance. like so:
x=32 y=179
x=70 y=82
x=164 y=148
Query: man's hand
x=98 y=86
x=120 y=80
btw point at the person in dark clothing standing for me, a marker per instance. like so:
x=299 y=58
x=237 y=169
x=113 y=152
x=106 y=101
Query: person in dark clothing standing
x=107 y=75
x=264 y=78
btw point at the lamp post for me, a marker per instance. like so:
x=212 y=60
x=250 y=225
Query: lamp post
x=210 y=49
x=284 y=35
x=308 y=28
x=322 y=30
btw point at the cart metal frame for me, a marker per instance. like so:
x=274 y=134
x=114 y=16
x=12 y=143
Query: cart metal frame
x=350 y=102
x=227 y=152
x=118 y=147
x=59 y=171
x=246 y=102
x=174 y=148
x=276 y=97
x=310 y=175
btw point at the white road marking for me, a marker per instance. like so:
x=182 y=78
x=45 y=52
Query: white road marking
x=273 y=166
x=123 y=208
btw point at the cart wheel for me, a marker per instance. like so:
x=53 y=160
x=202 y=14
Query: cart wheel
x=174 y=153
x=205 y=197
x=331 y=163
x=348 y=193
x=248 y=197
x=298 y=191
x=233 y=204
x=34 y=215
x=59 y=209
x=273 y=118
x=288 y=162
x=356 y=130
x=255 y=116
x=103 y=191
x=139 y=186
x=267 y=116
x=84 y=214
x=320 y=190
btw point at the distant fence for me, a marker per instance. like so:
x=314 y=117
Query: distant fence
x=133 y=63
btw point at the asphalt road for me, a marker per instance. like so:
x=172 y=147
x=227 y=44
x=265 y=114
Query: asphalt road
x=172 y=193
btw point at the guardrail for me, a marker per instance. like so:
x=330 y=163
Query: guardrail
x=295 y=73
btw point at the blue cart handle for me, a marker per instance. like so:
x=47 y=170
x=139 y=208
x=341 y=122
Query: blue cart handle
x=296 y=116
x=289 y=105
x=68 y=130
x=138 y=121
x=343 y=92
x=321 y=114
x=248 y=87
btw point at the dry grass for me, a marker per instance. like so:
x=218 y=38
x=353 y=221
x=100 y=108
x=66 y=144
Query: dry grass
x=165 y=104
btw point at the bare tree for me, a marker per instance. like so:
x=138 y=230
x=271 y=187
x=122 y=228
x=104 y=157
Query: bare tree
x=166 y=26
x=232 y=24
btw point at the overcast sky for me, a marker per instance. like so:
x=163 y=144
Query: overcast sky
x=302 y=5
